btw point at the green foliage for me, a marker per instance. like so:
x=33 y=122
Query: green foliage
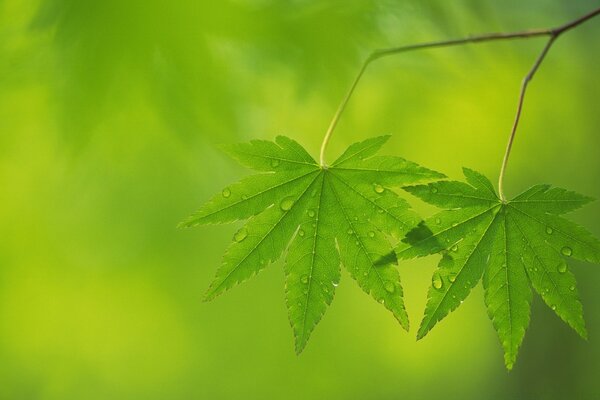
x=343 y=214
x=513 y=245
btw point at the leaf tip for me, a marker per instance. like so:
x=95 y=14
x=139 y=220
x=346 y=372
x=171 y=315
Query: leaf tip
x=299 y=346
x=422 y=332
x=210 y=294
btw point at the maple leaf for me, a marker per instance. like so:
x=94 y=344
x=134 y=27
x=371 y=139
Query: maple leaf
x=342 y=214
x=513 y=245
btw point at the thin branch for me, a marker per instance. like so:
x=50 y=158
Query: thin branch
x=513 y=132
x=553 y=33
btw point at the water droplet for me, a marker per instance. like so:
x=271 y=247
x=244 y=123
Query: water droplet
x=287 y=203
x=436 y=280
x=311 y=213
x=382 y=300
x=299 y=304
x=562 y=267
x=553 y=307
x=240 y=235
x=380 y=211
x=452 y=277
x=262 y=261
x=244 y=197
x=335 y=284
x=438 y=221
x=274 y=163
x=226 y=192
x=304 y=279
x=349 y=231
x=371 y=234
x=454 y=224
x=356 y=243
x=454 y=248
x=365 y=273
x=356 y=218
x=301 y=232
x=572 y=287
x=389 y=287
x=313 y=193
x=567 y=251
x=549 y=230
x=325 y=289
x=378 y=188
x=434 y=189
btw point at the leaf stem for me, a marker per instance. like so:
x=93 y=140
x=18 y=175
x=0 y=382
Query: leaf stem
x=513 y=131
x=553 y=33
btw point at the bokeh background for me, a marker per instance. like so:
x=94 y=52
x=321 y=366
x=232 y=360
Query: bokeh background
x=111 y=113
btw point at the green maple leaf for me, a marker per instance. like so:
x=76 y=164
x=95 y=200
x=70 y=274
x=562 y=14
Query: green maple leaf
x=345 y=214
x=513 y=245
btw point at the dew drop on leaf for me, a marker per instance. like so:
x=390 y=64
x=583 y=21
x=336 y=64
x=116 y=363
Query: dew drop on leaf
x=240 y=235
x=349 y=231
x=389 y=287
x=287 y=203
x=572 y=287
x=311 y=213
x=434 y=190
x=301 y=232
x=567 y=251
x=438 y=221
x=562 y=267
x=454 y=248
x=378 y=188
x=226 y=192
x=274 y=163
x=549 y=230
x=436 y=281
x=371 y=234
x=452 y=277
x=553 y=307
x=304 y=279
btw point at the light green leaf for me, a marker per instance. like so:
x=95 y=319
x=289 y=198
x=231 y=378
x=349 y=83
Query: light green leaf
x=343 y=213
x=513 y=245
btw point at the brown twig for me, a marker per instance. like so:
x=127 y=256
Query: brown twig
x=553 y=33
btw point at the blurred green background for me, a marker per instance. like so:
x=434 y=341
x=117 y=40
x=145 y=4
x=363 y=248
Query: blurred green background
x=110 y=116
